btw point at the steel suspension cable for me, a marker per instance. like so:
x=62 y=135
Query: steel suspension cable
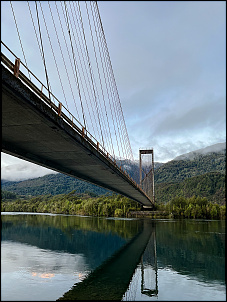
x=125 y=130
x=33 y=23
x=105 y=113
x=108 y=97
x=107 y=89
x=83 y=66
x=91 y=74
x=116 y=111
x=126 y=133
x=42 y=50
x=93 y=88
x=55 y=61
x=69 y=57
x=19 y=38
x=75 y=65
x=115 y=98
x=112 y=104
x=90 y=68
x=115 y=105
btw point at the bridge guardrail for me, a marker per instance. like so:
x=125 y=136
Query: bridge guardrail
x=59 y=108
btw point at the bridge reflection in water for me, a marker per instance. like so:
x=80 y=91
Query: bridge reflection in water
x=111 y=280
x=146 y=274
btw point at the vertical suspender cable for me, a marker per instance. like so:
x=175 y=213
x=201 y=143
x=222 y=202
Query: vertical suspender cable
x=111 y=70
x=105 y=113
x=75 y=65
x=34 y=28
x=19 y=38
x=42 y=50
x=89 y=64
x=79 y=47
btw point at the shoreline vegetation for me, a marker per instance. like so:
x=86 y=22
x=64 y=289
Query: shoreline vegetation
x=112 y=206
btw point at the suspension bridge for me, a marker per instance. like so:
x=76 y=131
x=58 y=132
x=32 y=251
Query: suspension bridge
x=68 y=51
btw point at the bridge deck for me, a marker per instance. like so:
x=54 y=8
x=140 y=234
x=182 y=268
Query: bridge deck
x=32 y=130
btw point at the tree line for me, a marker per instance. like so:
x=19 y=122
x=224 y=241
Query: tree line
x=193 y=207
x=107 y=206
x=113 y=206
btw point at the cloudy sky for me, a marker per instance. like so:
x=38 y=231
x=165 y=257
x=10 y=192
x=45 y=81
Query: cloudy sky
x=169 y=62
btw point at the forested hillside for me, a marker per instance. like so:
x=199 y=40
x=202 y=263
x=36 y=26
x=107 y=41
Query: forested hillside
x=53 y=184
x=178 y=170
x=203 y=175
x=209 y=185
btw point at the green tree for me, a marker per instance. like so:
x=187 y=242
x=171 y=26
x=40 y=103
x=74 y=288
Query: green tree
x=118 y=213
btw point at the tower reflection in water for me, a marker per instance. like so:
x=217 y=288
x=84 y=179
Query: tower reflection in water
x=145 y=278
x=149 y=270
x=115 y=278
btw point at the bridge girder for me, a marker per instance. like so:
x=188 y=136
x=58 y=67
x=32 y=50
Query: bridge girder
x=33 y=131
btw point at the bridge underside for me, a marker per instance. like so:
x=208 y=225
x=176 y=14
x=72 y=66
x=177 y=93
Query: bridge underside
x=32 y=131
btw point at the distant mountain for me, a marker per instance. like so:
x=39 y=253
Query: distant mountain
x=132 y=167
x=217 y=148
x=53 y=184
x=178 y=170
x=200 y=173
x=209 y=185
x=200 y=162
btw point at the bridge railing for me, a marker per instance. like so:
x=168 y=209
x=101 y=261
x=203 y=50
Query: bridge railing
x=58 y=107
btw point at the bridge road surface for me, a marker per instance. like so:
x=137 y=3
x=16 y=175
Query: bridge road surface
x=32 y=131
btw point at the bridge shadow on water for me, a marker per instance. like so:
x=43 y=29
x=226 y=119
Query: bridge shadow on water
x=111 y=280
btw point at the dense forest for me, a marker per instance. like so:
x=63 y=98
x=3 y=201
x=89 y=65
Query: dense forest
x=53 y=184
x=113 y=206
x=209 y=185
x=190 y=181
x=194 y=207
x=178 y=170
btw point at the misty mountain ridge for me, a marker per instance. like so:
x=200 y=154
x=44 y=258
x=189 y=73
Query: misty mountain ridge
x=216 y=148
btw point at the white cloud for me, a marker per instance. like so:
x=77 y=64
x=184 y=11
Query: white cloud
x=169 y=62
x=15 y=169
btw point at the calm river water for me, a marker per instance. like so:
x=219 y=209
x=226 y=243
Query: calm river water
x=47 y=257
